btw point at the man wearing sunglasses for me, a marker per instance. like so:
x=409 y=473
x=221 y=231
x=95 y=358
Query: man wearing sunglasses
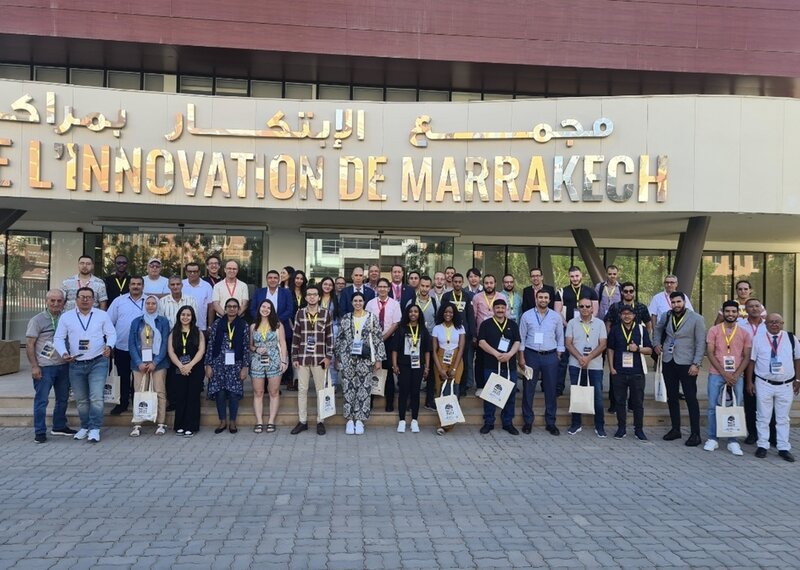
x=118 y=283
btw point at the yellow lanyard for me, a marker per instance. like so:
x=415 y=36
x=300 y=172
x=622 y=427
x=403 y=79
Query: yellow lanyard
x=448 y=332
x=609 y=294
x=503 y=328
x=263 y=330
x=230 y=335
x=511 y=301
x=488 y=304
x=729 y=339
x=461 y=296
x=299 y=299
x=356 y=324
x=313 y=321
x=414 y=334
x=147 y=332
x=577 y=292
x=184 y=340
x=423 y=308
x=586 y=329
x=627 y=334
x=677 y=324
x=121 y=287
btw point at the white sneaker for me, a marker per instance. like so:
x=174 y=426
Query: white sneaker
x=350 y=428
x=401 y=426
x=711 y=445
x=414 y=426
x=82 y=434
x=136 y=431
x=359 y=427
x=735 y=448
x=94 y=436
x=161 y=429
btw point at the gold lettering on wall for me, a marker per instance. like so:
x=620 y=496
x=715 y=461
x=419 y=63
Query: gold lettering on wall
x=241 y=159
x=151 y=169
x=410 y=181
x=562 y=176
x=536 y=181
x=101 y=170
x=310 y=177
x=502 y=177
x=35 y=167
x=130 y=169
x=190 y=178
x=612 y=181
x=4 y=162
x=448 y=181
x=260 y=174
x=71 y=172
x=660 y=178
x=275 y=189
x=217 y=177
x=590 y=177
x=375 y=175
x=344 y=178
x=476 y=179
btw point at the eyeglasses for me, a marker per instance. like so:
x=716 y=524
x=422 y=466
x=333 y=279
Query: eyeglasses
x=123 y=262
x=774 y=322
x=584 y=306
x=670 y=282
x=628 y=291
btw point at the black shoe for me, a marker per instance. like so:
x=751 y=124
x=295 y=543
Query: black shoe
x=672 y=434
x=42 y=438
x=751 y=440
x=611 y=409
x=559 y=393
x=389 y=408
x=693 y=441
x=514 y=431
x=118 y=409
x=526 y=429
x=221 y=429
x=761 y=453
x=553 y=430
x=320 y=428
x=620 y=433
x=429 y=407
x=681 y=397
x=298 y=428
x=786 y=456
x=486 y=429
x=640 y=435
x=68 y=431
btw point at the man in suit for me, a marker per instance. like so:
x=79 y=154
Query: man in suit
x=398 y=290
x=537 y=284
x=357 y=287
x=679 y=338
x=281 y=299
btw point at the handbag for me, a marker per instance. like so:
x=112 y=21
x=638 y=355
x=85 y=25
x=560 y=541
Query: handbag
x=660 y=387
x=145 y=403
x=378 y=379
x=111 y=389
x=326 y=399
x=730 y=419
x=448 y=408
x=497 y=389
x=581 y=398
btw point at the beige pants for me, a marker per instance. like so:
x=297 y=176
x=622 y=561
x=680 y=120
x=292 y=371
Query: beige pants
x=159 y=384
x=303 y=374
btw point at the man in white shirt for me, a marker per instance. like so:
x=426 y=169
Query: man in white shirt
x=660 y=303
x=389 y=314
x=84 y=278
x=231 y=288
x=122 y=312
x=90 y=336
x=154 y=282
x=168 y=306
x=202 y=292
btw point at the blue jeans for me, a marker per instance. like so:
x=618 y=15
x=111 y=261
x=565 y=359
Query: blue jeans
x=507 y=415
x=88 y=379
x=595 y=379
x=233 y=404
x=547 y=366
x=57 y=378
x=715 y=385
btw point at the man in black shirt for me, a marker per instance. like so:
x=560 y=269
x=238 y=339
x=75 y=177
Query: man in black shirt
x=537 y=284
x=462 y=301
x=118 y=282
x=499 y=339
x=567 y=304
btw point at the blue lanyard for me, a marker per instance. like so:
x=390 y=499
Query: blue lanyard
x=89 y=322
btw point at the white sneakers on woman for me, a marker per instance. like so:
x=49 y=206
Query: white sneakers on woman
x=414 y=426
x=359 y=427
x=401 y=426
x=350 y=429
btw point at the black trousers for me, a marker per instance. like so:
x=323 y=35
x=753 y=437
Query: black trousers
x=675 y=376
x=186 y=399
x=122 y=360
x=480 y=381
x=409 y=383
x=629 y=388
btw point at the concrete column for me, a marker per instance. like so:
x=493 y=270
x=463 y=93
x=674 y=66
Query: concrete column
x=690 y=252
x=8 y=217
x=591 y=257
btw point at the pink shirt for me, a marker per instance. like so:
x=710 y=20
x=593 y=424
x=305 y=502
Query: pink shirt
x=740 y=341
x=392 y=313
x=483 y=310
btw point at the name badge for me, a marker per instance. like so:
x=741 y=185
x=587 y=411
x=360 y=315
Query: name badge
x=230 y=358
x=147 y=355
x=775 y=366
x=459 y=305
x=415 y=360
x=48 y=350
x=83 y=345
x=729 y=363
x=358 y=344
x=587 y=350
x=502 y=346
x=627 y=359
x=264 y=359
x=311 y=342
x=410 y=348
x=538 y=338
x=447 y=357
x=185 y=359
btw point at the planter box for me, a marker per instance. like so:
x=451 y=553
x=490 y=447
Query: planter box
x=9 y=356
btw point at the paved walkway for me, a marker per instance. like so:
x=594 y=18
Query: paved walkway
x=386 y=500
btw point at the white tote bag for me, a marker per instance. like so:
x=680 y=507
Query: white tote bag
x=497 y=389
x=581 y=398
x=448 y=408
x=730 y=419
x=145 y=403
x=378 y=382
x=111 y=390
x=326 y=399
x=660 y=387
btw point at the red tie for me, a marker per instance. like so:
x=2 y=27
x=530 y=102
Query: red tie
x=382 y=311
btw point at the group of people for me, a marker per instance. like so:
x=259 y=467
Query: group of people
x=447 y=333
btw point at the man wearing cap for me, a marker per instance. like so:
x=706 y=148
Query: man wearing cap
x=154 y=282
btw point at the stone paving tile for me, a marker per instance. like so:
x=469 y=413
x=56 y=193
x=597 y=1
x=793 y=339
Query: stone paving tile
x=386 y=500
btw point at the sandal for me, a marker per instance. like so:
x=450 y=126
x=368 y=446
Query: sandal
x=233 y=428
x=440 y=431
x=136 y=431
x=270 y=428
x=259 y=428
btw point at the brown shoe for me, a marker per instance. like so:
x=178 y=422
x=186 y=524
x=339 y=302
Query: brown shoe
x=298 y=428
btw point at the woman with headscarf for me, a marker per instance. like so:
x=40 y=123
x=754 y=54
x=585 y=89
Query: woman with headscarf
x=359 y=350
x=228 y=364
x=186 y=347
x=148 y=349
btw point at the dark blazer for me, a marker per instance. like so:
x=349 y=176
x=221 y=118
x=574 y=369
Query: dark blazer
x=285 y=308
x=346 y=301
x=529 y=301
x=467 y=316
x=408 y=293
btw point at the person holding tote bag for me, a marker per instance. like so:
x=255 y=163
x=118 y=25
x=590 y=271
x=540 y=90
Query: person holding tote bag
x=448 y=347
x=186 y=348
x=147 y=345
x=411 y=361
x=359 y=350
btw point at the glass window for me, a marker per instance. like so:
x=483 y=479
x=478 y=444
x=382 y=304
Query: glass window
x=338 y=92
x=465 y=96
x=266 y=89
x=90 y=77
x=19 y=72
x=197 y=85
x=779 y=296
x=653 y=266
x=160 y=82
x=401 y=94
x=300 y=91
x=519 y=261
x=625 y=260
x=497 y=96
x=124 y=80
x=490 y=259
x=749 y=266
x=50 y=74
x=555 y=264
x=368 y=93
x=716 y=279
x=93 y=246
x=233 y=87
x=26 y=278
x=429 y=95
